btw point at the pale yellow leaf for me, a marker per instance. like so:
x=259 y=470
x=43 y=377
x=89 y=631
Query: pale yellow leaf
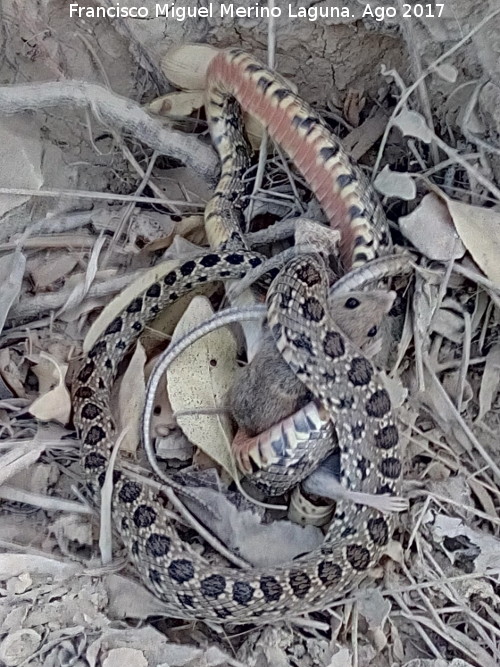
x=186 y=66
x=131 y=400
x=200 y=378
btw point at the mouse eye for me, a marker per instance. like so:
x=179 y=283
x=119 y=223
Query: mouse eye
x=351 y=303
x=372 y=332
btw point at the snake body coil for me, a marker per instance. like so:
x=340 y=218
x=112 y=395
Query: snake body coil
x=338 y=374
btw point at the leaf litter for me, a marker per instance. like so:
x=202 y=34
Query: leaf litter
x=439 y=603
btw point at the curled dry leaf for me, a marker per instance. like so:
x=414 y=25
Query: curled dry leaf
x=186 y=66
x=430 y=229
x=200 y=378
x=55 y=405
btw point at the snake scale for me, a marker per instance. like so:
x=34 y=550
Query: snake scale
x=335 y=371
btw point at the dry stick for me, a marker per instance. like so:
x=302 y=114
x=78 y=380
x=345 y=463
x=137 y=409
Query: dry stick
x=88 y=194
x=427 y=604
x=455 y=597
x=416 y=65
x=35 y=306
x=129 y=209
x=465 y=363
x=463 y=425
x=117 y=112
x=152 y=185
x=452 y=153
x=49 y=503
x=271 y=50
x=470 y=106
x=424 y=74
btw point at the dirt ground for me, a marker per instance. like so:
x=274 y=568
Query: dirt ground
x=102 y=178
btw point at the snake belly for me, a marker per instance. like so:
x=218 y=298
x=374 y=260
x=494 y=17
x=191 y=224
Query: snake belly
x=190 y=586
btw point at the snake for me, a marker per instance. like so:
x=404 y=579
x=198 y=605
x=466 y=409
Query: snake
x=343 y=380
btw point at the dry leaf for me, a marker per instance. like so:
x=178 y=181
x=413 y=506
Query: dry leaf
x=20 y=459
x=449 y=324
x=21 y=150
x=375 y=609
x=200 y=378
x=131 y=398
x=430 y=229
x=242 y=530
x=489 y=381
x=395 y=184
x=479 y=229
x=18 y=647
x=341 y=659
x=10 y=373
x=353 y=106
x=131 y=657
x=447 y=72
x=186 y=66
x=55 y=405
x=413 y=124
x=359 y=141
x=484 y=549
x=44 y=271
x=11 y=277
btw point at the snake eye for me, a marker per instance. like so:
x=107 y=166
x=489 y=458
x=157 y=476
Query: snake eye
x=351 y=303
x=372 y=332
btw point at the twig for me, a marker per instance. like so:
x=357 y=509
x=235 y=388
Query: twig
x=429 y=70
x=43 y=303
x=88 y=194
x=460 y=421
x=113 y=110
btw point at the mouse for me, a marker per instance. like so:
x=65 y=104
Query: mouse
x=266 y=391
